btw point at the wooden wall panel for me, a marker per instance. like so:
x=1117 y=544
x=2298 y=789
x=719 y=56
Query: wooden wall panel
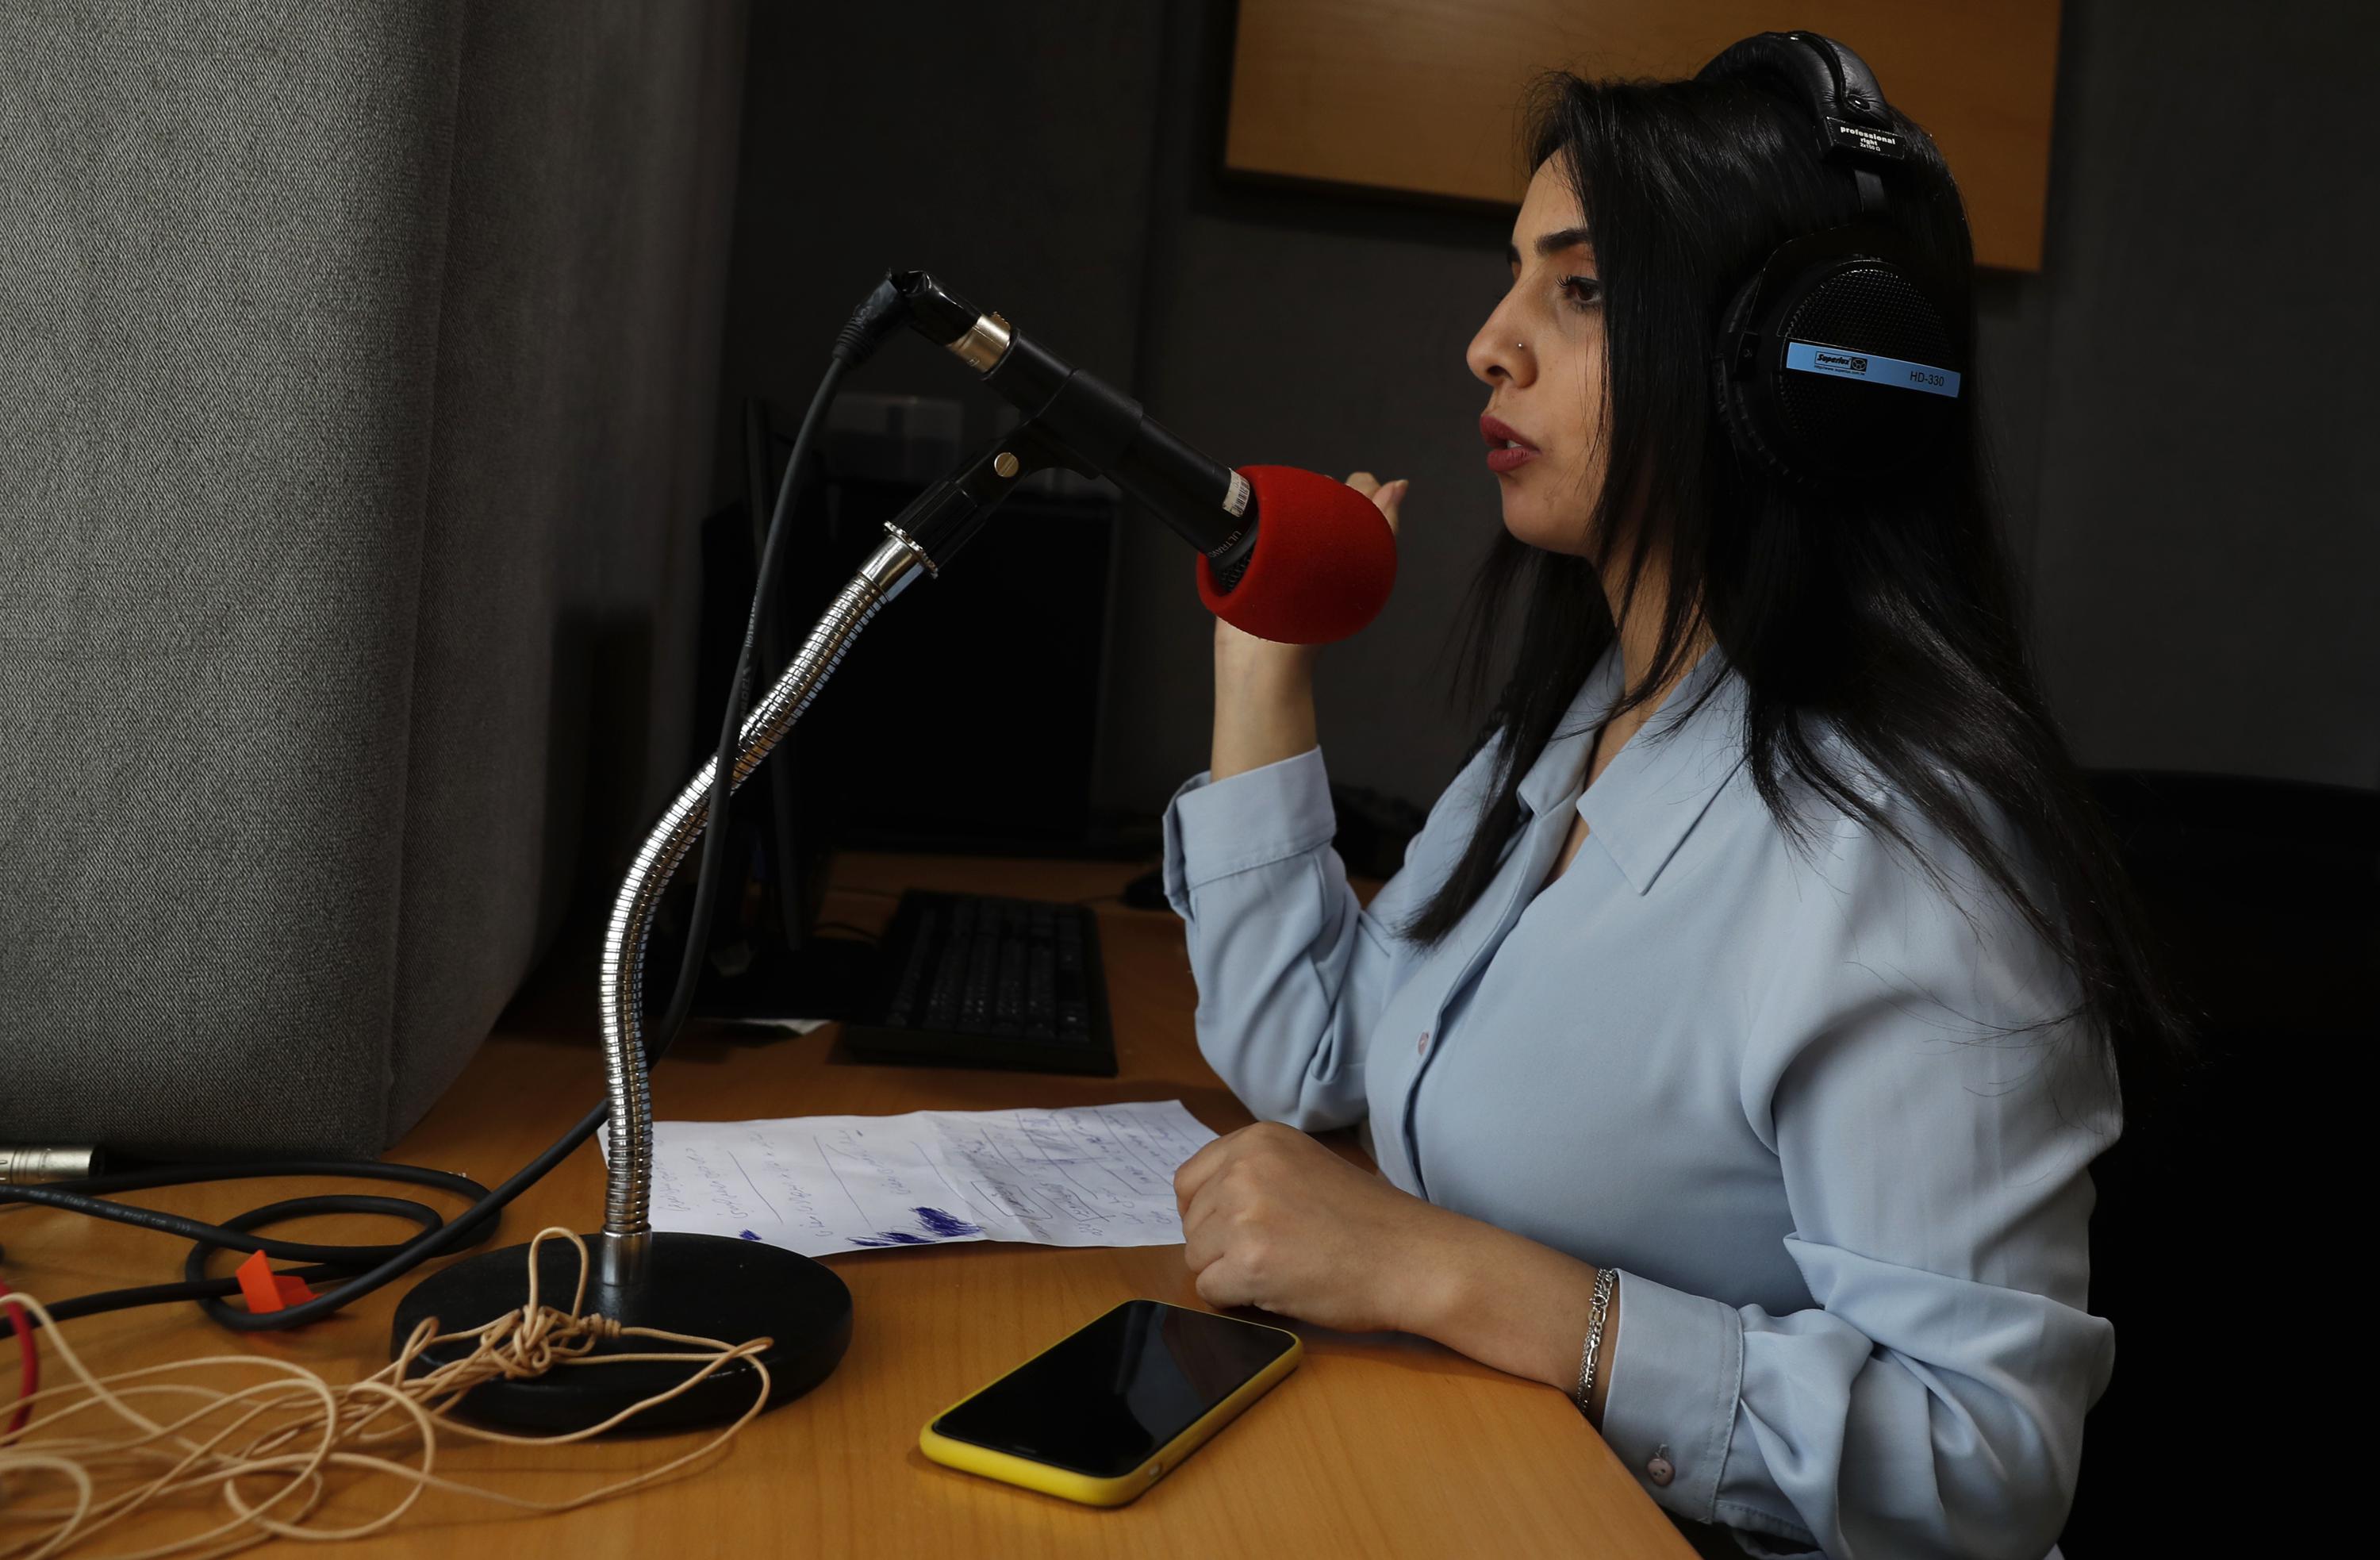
x=1422 y=96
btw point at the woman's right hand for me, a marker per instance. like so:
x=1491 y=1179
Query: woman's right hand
x=1264 y=692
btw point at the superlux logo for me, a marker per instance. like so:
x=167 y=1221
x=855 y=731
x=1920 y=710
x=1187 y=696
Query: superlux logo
x=1844 y=361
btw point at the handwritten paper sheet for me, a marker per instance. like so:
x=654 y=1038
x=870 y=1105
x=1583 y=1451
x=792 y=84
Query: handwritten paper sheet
x=1093 y=1176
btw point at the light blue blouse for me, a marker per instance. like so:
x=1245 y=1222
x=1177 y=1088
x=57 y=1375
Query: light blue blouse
x=1808 y=1101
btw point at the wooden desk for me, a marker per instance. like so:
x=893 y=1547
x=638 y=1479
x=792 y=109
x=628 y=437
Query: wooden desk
x=1376 y=1446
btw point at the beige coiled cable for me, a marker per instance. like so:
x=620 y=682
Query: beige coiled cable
x=270 y=1450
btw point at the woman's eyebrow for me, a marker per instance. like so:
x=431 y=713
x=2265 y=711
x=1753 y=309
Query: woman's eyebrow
x=1550 y=243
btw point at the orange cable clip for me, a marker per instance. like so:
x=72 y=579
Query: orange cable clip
x=267 y=1290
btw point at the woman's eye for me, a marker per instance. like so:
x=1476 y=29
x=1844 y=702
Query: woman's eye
x=1584 y=291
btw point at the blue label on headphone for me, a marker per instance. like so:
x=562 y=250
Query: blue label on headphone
x=1900 y=372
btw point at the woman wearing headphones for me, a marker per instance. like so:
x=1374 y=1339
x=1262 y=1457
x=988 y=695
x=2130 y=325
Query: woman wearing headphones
x=1736 y=1037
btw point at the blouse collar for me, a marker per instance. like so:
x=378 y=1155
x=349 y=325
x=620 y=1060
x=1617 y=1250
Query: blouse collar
x=1651 y=796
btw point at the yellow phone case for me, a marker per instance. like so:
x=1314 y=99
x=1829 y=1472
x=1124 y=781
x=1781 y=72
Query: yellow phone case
x=1067 y=1484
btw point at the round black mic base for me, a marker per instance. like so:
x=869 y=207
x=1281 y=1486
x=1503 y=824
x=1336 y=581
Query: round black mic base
x=706 y=1285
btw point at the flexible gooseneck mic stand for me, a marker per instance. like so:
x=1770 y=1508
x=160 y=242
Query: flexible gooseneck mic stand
x=623 y=1250
x=701 y=1285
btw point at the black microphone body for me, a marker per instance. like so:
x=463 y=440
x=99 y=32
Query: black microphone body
x=1318 y=569
x=1207 y=502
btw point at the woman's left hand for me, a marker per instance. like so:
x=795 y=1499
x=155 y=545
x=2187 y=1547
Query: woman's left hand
x=1271 y=1218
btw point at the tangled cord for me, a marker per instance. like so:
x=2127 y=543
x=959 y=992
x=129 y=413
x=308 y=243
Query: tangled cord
x=295 y=1427
x=357 y=1270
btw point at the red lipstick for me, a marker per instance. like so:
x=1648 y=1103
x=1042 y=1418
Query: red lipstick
x=1507 y=450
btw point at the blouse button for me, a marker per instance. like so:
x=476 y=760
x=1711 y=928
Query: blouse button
x=1422 y=1043
x=1660 y=1471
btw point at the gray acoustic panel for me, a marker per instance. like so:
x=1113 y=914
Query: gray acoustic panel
x=312 y=320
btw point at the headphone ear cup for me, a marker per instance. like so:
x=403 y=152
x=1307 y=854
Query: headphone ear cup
x=1820 y=359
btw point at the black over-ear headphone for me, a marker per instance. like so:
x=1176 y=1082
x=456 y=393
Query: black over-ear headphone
x=1839 y=359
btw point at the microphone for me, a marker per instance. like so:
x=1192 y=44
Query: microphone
x=1317 y=567
x=1284 y=554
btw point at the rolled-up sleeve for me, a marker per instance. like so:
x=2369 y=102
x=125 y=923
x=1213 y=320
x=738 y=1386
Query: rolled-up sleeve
x=1934 y=1114
x=1290 y=970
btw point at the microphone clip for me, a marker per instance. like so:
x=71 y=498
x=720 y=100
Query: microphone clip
x=946 y=517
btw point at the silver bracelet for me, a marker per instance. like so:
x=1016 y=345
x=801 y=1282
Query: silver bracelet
x=1598 y=1310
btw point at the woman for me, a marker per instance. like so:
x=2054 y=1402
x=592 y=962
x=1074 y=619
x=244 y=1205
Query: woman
x=1741 y=1065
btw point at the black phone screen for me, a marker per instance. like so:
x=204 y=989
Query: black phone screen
x=1105 y=1400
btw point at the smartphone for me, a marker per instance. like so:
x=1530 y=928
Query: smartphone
x=1105 y=1412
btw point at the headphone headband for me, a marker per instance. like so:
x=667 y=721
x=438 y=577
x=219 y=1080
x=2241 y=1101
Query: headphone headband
x=1834 y=87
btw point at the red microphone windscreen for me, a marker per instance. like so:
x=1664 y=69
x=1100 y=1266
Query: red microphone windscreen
x=1324 y=561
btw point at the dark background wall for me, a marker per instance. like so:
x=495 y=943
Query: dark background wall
x=2175 y=398
x=2209 y=541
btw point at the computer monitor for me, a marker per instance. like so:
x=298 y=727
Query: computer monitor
x=769 y=958
x=964 y=720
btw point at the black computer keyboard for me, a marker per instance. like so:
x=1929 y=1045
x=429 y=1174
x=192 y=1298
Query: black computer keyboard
x=992 y=982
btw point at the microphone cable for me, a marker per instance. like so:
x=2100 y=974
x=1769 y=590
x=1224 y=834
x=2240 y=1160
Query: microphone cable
x=360 y=1270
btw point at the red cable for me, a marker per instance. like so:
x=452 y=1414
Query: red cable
x=20 y=1323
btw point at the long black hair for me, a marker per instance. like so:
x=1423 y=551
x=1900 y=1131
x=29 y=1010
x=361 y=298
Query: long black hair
x=1885 y=614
